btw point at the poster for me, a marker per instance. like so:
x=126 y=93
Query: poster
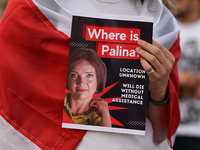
x=114 y=40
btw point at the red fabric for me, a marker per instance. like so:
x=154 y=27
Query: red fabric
x=33 y=69
x=174 y=93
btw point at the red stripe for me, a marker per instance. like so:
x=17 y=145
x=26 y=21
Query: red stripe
x=33 y=63
x=174 y=93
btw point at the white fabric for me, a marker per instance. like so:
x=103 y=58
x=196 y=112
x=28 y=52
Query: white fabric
x=11 y=139
x=190 y=60
x=59 y=13
x=109 y=141
x=125 y=7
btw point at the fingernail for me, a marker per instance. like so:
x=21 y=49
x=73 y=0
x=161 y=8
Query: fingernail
x=139 y=41
x=138 y=48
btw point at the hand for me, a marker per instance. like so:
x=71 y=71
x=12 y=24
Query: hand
x=102 y=110
x=102 y=106
x=156 y=57
x=188 y=81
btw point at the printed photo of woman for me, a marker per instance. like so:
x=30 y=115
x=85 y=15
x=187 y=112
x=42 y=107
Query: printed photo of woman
x=86 y=75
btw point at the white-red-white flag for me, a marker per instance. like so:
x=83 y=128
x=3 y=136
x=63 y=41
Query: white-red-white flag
x=33 y=69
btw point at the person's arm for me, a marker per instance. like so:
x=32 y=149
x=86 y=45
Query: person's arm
x=156 y=57
x=188 y=81
x=102 y=110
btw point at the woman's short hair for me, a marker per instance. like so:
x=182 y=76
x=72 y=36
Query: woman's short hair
x=93 y=58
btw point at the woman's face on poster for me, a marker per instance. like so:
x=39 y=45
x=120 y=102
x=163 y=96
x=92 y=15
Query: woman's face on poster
x=82 y=81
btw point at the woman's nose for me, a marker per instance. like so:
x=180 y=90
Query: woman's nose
x=81 y=80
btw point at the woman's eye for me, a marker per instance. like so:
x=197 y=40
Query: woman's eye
x=90 y=75
x=73 y=75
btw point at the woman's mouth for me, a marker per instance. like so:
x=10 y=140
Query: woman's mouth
x=81 y=90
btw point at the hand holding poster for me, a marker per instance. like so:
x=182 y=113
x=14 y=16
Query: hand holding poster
x=107 y=88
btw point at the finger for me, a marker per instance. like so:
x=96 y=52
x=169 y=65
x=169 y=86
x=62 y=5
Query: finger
x=163 y=49
x=151 y=61
x=169 y=62
x=158 y=52
x=93 y=102
x=148 y=68
x=153 y=50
